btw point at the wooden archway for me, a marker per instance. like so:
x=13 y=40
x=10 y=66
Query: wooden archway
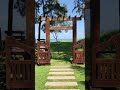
x=44 y=55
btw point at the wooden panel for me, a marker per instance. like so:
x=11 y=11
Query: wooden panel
x=43 y=57
x=19 y=71
x=79 y=57
x=108 y=69
x=59 y=18
x=61 y=28
x=21 y=79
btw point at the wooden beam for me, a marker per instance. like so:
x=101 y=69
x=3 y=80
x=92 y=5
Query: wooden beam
x=61 y=28
x=59 y=18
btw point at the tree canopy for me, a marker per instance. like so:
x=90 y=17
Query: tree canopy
x=50 y=8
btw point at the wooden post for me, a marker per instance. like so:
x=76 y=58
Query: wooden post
x=94 y=34
x=95 y=22
x=74 y=30
x=30 y=32
x=48 y=32
x=74 y=36
x=30 y=22
x=10 y=16
x=0 y=36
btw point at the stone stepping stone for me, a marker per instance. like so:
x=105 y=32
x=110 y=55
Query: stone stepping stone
x=62 y=89
x=61 y=84
x=61 y=73
x=61 y=77
x=60 y=66
x=63 y=69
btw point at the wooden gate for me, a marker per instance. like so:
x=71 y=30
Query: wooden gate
x=105 y=70
x=19 y=47
x=19 y=68
x=43 y=53
x=79 y=55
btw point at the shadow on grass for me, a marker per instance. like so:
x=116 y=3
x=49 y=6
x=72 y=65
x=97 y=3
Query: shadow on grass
x=81 y=82
x=79 y=69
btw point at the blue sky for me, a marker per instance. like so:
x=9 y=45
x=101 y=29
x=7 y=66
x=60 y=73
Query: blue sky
x=68 y=35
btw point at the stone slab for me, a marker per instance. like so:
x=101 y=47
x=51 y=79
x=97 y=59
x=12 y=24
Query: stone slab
x=61 y=77
x=62 y=89
x=63 y=69
x=61 y=73
x=60 y=66
x=61 y=84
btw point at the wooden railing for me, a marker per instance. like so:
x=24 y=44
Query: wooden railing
x=105 y=71
x=79 y=55
x=43 y=54
x=19 y=73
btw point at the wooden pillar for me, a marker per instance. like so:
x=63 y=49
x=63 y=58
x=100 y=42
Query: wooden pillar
x=95 y=21
x=48 y=32
x=30 y=22
x=119 y=15
x=0 y=36
x=74 y=30
x=94 y=34
x=0 y=41
x=10 y=16
x=30 y=33
x=74 y=36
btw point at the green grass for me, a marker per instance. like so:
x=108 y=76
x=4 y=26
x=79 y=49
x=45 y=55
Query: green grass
x=79 y=71
x=41 y=73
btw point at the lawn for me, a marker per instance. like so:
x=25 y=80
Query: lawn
x=41 y=73
x=61 y=55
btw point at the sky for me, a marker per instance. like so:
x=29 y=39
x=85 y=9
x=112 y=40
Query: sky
x=68 y=35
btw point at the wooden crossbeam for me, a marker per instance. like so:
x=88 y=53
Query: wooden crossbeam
x=61 y=28
x=59 y=18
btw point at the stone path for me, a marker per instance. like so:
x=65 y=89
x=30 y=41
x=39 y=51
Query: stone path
x=61 y=78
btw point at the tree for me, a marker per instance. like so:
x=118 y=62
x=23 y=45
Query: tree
x=52 y=8
x=44 y=8
x=79 y=7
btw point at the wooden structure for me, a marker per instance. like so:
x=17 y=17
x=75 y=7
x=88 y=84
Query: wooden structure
x=105 y=71
x=79 y=55
x=0 y=42
x=44 y=55
x=20 y=60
